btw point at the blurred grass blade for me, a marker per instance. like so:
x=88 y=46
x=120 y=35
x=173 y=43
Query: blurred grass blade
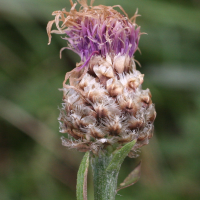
x=119 y=156
x=81 y=190
x=132 y=178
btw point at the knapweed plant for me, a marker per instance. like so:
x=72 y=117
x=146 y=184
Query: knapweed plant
x=105 y=111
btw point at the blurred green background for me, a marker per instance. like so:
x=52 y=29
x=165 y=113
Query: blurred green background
x=33 y=163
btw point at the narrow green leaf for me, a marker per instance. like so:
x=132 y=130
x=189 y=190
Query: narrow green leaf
x=119 y=156
x=81 y=188
x=132 y=178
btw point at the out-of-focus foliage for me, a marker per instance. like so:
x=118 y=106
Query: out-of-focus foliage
x=34 y=165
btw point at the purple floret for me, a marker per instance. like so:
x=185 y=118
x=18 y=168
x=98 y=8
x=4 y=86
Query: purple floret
x=108 y=37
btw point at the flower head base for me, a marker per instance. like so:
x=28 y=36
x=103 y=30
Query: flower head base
x=98 y=29
x=104 y=104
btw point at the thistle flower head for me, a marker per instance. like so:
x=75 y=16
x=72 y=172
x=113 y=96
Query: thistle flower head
x=104 y=104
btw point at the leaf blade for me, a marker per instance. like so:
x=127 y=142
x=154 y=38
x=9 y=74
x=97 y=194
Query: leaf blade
x=119 y=156
x=132 y=178
x=81 y=188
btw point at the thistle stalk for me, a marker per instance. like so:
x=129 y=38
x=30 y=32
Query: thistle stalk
x=105 y=182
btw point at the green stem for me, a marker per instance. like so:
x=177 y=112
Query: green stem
x=105 y=182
